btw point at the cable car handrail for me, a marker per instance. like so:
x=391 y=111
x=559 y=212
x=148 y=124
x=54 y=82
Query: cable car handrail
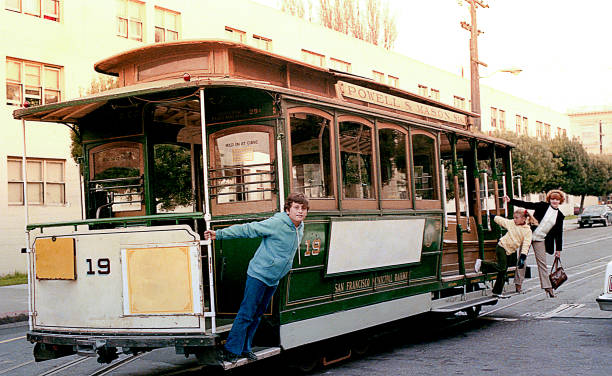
x=237 y=167
x=119 y=220
x=102 y=188
x=115 y=179
x=245 y=183
x=242 y=192
x=249 y=174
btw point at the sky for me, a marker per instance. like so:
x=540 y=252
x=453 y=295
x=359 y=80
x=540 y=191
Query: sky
x=562 y=46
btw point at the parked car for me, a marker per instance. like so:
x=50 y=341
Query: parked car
x=595 y=214
x=605 y=299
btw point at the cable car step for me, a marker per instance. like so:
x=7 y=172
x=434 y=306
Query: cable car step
x=261 y=352
x=456 y=307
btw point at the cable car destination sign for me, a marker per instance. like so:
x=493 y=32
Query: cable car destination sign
x=349 y=90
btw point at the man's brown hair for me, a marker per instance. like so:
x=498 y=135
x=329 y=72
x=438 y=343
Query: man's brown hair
x=298 y=198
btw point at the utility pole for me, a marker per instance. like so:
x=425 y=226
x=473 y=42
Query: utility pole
x=474 y=74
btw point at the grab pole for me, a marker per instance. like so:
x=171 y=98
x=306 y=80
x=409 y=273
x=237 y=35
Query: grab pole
x=207 y=216
x=486 y=188
x=467 y=201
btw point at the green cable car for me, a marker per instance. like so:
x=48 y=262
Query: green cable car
x=206 y=134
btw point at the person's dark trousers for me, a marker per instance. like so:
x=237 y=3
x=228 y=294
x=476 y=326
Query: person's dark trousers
x=500 y=267
x=257 y=296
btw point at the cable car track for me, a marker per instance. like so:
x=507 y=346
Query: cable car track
x=63 y=366
x=112 y=367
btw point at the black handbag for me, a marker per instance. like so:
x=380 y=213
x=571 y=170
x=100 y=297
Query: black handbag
x=557 y=274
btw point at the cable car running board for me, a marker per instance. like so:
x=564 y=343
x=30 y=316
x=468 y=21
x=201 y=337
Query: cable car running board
x=262 y=353
x=453 y=308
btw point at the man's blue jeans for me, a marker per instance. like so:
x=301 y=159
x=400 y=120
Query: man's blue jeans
x=257 y=296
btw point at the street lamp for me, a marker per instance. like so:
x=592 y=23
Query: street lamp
x=515 y=71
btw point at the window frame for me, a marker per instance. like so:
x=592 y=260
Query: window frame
x=313 y=54
x=42 y=87
x=434 y=94
x=316 y=203
x=42 y=6
x=240 y=207
x=493 y=118
x=340 y=65
x=393 y=81
x=502 y=119
x=232 y=32
x=378 y=76
x=388 y=203
x=259 y=40
x=359 y=203
x=423 y=90
x=43 y=181
x=128 y=20
x=164 y=12
x=427 y=204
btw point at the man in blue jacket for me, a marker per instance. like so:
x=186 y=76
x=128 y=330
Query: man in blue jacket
x=281 y=236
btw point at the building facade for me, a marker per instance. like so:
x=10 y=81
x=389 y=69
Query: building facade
x=594 y=127
x=50 y=47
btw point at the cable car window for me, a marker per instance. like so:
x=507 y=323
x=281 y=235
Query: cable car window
x=393 y=166
x=424 y=149
x=356 y=160
x=116 y=179
x=242 y=169
x=311 y=171
x=172 y=185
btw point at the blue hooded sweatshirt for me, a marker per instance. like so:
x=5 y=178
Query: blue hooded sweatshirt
x=280 y=240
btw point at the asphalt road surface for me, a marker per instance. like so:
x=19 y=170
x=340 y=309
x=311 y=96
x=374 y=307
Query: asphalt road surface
x=527 y=334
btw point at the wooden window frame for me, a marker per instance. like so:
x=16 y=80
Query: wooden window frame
x=43 y=68
x=259 y=40
x=378 y=76
x=359 y=203
x=502 y=119
x=235 y=31
x=313 y=54
x=493 y=117
x=163 y=27
x=423 y=91
x=526 y=125
x=387 y=203
x=316 y=203
x=343 y=64
x=236 y=208
x=434 y=94
x=393 y=81
x=427 y=204
x=127 y=19
x=42 y=13
x=44 y=181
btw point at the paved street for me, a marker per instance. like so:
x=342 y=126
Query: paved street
x=528 y=334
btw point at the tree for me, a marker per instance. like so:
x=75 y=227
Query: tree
x=97 y=85
x=534 y=162
x=572 y=174
x=369 y=20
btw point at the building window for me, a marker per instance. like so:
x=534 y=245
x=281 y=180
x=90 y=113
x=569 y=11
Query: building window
x=502 y=120
x=459 y=102
x=235 y=34
x=378 y=76
x=434 y=94
x=166 y=25
x=47 y=9
x=262 y=43
x=525 y=125
x=339 y=65
x=31 y=82
x=130 y=18
x=46 y=183
x=547 y=131
x=423 y=91
x=493 y=117
x=313 y=58
x=519 y=125
x=393 y=81
x=539 y=133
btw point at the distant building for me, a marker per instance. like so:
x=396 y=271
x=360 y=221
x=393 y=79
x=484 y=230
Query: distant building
x=593 y=126
x=49 y=48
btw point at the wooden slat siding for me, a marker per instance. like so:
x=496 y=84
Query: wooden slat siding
x=450 y=256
